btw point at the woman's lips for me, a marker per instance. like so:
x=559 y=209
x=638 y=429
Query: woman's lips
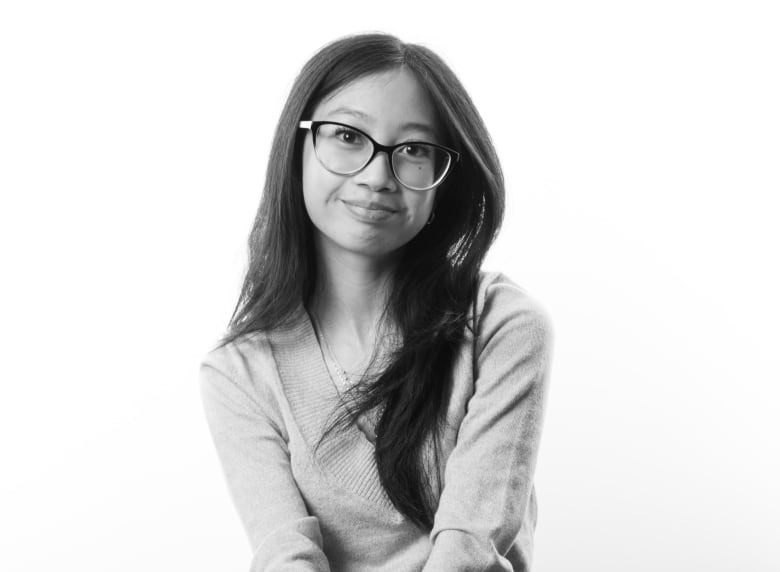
x=370 y=211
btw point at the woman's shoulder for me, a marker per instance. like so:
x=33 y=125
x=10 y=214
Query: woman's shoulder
x=251 y=358
x=239 y=357
x=502 y=303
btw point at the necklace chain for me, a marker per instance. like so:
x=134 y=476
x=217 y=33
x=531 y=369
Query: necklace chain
x=345 y=380
x=342 y=374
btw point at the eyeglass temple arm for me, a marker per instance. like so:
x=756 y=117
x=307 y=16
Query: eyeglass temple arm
x=305 y=124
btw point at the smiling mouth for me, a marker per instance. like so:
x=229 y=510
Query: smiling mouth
x=369 y=206
x=370 y=212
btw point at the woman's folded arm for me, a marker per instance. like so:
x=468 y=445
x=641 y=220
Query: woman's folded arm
x=489 y=474
x=252 y=447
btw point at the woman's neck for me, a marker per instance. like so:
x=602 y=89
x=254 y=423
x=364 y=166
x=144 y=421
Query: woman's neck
x=350 y=299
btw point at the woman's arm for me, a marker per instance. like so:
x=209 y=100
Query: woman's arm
x=248 y=434
x=489 y=474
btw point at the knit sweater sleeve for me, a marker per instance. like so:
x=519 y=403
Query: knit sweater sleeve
x=251 y=444
x=489 y=474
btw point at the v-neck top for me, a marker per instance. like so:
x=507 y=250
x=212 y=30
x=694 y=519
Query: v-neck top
x=318 y=504
x=344 y=382
x=313 y=399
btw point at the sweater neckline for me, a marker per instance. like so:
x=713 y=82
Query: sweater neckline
x=346 y=457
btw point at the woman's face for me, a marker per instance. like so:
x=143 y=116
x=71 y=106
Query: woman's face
x=370 y=212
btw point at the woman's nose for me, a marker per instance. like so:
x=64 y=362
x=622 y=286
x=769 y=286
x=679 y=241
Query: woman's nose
x=378 y=175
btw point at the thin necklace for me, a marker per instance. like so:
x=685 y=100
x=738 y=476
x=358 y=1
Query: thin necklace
x=346 y=382
x=342 y=374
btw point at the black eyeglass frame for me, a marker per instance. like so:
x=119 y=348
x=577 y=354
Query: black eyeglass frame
x=313 y=126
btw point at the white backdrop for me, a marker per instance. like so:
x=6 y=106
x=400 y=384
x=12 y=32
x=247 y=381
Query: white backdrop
x=640 y=143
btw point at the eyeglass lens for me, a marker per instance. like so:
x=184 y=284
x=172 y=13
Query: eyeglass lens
x=343 y=150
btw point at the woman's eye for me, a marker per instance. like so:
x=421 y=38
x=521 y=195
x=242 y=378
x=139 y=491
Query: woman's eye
x=416 y=150
x=348 y=136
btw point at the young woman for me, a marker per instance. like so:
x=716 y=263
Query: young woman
x=377 y=401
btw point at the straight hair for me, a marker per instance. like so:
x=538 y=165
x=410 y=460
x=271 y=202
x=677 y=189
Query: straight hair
x=434 y=286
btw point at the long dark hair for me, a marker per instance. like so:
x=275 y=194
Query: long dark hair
x=434 y=285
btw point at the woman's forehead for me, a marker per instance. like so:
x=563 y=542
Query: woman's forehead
x=396 y=97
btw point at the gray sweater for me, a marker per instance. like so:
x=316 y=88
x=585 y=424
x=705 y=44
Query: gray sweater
x=268 y=396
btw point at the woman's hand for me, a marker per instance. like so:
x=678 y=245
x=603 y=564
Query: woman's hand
x=366 y=424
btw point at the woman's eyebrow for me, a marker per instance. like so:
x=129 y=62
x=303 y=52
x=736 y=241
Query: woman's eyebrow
x=426 y=128
x=353 y=112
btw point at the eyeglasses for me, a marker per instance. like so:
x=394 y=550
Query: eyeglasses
x=346 y=150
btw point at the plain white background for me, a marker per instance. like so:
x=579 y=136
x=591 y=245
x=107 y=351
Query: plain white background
x=640 y=142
